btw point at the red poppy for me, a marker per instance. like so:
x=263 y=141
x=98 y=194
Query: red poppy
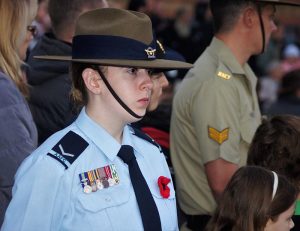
x=163 y=188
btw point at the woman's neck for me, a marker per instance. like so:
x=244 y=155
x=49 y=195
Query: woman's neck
x=113 y=125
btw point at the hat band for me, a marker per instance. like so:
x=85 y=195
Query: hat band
x=111 y=47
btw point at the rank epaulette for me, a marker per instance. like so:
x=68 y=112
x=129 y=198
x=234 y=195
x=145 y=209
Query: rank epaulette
x=68 y=149
x=144 y=136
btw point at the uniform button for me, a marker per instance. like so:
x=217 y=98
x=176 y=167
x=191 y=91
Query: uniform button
x=108 y=199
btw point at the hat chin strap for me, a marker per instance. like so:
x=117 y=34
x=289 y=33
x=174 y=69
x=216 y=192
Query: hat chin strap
x=116 y=96
x=262 y=28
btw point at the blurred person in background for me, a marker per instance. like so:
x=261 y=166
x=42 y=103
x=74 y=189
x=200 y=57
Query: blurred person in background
x=42 y=22
x=288 y=100
x=50 y=102
x=291 y=58
x=269 y=84
x=18 y=136
x=186 y=35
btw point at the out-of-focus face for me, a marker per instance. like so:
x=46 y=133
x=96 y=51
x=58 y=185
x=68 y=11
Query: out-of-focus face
x=284 y=221
x=24 y=45
x=29 y=34
x=159 y=81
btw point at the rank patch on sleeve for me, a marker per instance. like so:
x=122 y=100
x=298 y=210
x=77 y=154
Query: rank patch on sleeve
x=218 y=136
x=224 y=75
x=68 y=149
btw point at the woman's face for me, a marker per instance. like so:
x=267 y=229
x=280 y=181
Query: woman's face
x=133 y=86
x=284 y=221
x=24 y=45
x=159 y=83
x=32 y=10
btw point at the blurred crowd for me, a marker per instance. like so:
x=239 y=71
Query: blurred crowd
x=186 y=26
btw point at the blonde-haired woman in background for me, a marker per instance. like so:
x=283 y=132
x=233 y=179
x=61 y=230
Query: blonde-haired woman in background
x=18 y=136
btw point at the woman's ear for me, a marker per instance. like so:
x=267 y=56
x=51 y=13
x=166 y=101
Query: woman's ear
x=92 y=80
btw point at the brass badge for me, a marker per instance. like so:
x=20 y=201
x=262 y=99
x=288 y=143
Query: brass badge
x=150 y=52
x=161 y=46
x=218 y=136
x=224 y=75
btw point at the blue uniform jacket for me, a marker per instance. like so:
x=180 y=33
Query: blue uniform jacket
x=48 y=193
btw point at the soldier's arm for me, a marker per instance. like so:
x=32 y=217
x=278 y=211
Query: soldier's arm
x=218 y=174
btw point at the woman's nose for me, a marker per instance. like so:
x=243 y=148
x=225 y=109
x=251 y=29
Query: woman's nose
x=163 y=81
x=147 y=82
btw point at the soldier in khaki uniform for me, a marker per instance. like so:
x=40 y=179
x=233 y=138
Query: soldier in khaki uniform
x=215 y=111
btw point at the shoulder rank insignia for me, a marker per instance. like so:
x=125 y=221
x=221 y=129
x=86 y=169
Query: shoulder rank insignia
x=99 y=178
x=224 y=75
x=218 y=136
x=144 y=136
x=68 y=149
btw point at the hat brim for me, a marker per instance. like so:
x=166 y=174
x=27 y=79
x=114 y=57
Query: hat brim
x=280 y=3
x=156 y=63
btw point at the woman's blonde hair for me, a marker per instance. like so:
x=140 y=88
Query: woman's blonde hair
x=16 y=15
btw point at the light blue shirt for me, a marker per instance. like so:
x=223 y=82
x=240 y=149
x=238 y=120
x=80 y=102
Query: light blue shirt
x=46 y=196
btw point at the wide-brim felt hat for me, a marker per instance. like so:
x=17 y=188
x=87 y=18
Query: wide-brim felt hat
x=117 y=37
x=282 y=2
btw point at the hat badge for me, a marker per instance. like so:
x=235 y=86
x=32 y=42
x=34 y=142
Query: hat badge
x=150 y=52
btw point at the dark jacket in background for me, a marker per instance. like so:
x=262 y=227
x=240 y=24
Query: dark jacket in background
x=288 y=104
x=50 y=101
x=18 y=137
x=156 y=124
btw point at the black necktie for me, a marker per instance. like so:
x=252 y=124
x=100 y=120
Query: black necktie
x=147 y=206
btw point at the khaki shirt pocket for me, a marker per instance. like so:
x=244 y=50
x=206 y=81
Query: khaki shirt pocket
x=249 y=125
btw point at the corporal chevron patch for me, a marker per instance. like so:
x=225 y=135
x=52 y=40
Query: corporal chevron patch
x=218 y=136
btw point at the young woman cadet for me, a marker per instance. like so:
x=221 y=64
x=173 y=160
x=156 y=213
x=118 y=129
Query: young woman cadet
x=99 y=173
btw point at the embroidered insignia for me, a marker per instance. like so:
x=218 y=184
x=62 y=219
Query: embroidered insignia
x=150 y=52
x=224 y=75
x=68 y=149
x=99 y=178
x=161 y=46
x=218 y=136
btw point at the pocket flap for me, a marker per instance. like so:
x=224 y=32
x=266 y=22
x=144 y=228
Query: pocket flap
x=105 y=198
x=247 y=131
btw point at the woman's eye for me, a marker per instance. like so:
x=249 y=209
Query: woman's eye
x=132 y=71
x=154 y=73
x=150 y=72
